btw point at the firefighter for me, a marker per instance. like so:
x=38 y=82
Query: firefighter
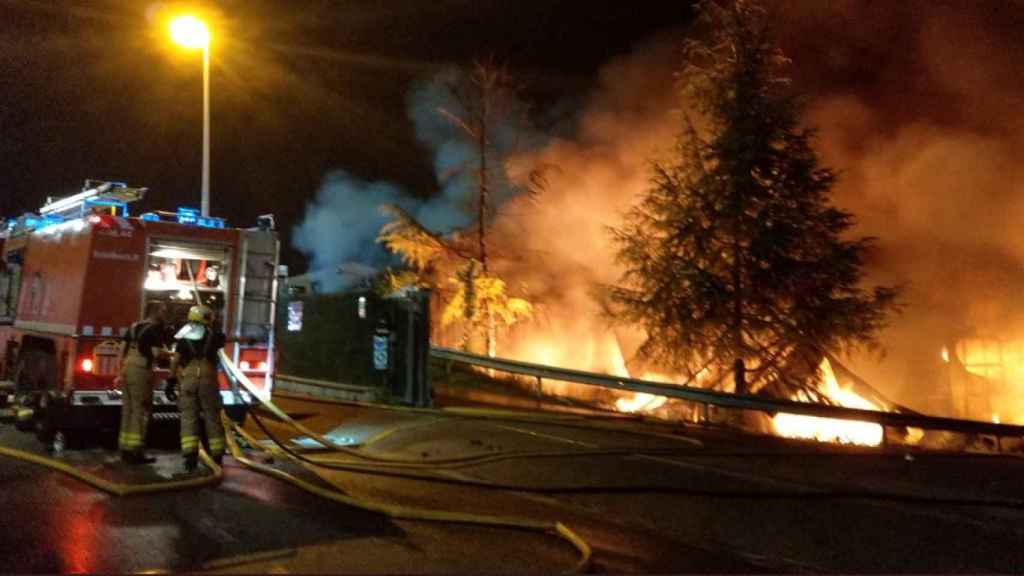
x=144 y=343
x=196 y=345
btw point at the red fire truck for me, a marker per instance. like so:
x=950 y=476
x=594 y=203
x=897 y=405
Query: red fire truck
x=74 y=277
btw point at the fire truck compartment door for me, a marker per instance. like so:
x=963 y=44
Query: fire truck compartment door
x=258 y=294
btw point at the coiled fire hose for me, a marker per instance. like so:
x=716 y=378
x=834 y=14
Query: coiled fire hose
x=393 y=511
x=398 y=468
x=407 y=513
x=808 y=493
x=422 y=463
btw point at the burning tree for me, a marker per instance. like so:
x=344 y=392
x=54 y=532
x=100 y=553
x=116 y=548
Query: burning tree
x=434 y=260
x=483 y=110
x=734 y=258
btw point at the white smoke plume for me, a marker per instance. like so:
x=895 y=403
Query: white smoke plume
x=341 y=224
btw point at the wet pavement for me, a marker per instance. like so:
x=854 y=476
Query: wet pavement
x=770 y=503
x=675 y=500
x=54 y=523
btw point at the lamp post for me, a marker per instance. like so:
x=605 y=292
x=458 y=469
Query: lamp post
x=190 y=32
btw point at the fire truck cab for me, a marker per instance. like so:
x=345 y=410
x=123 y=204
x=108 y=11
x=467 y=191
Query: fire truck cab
x=76 y=276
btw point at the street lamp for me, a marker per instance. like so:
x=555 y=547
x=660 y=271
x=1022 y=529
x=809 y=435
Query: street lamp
x=190 y=32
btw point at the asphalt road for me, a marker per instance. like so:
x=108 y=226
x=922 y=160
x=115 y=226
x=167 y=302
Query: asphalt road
x=674 y=500
x=250 y=523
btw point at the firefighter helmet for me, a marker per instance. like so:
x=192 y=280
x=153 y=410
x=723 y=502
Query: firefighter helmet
x=200 y=313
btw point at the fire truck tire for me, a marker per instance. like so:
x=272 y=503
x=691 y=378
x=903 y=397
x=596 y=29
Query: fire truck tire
x=23 y=426
x=50 y=424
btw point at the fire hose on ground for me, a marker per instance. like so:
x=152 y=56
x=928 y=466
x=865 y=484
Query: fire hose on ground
x=477 y=460
x=805 y=494
x=588 y=422
x=393 y=511
x=117 y=488
x=407 y=513
x=382 y=466
x=397 y=512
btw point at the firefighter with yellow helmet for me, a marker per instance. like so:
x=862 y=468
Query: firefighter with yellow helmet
x=195 y=372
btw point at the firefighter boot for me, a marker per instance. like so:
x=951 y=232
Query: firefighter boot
x=191 y=462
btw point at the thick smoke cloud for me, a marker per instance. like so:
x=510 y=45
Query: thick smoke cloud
x=341 y=225
x=432 y=108
x=918 y=107
x=561 y=240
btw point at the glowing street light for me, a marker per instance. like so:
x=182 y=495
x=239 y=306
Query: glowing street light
x=190 y=32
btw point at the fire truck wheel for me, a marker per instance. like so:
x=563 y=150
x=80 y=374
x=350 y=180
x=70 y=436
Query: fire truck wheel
x=44 y=432
x=23 y=425
x=48 y=424
x=56 y=440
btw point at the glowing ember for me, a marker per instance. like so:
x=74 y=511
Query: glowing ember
x=828 y=429
x=914 y=435
x=993 y=388
x=945 y=354
x=639 y=402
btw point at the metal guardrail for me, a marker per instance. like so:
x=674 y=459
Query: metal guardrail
x=727 y=400
x=314 y=388
x=323 y=384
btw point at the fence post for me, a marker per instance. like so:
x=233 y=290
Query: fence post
x=740 y=376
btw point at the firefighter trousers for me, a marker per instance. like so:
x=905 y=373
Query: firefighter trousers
x=200 y=391
x=136 y=402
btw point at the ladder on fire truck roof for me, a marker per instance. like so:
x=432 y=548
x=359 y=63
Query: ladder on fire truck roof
x=94 y=194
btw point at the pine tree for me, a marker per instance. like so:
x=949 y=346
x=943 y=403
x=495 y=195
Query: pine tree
x=735 y=253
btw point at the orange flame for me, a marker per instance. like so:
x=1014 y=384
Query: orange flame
x=827 y=429
x=995 y=388
x=640 y=402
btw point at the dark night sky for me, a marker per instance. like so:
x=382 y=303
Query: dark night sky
x=92 y=89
